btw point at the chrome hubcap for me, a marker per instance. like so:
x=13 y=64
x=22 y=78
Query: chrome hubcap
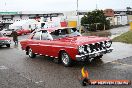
x=30 y=52
x=65 y=58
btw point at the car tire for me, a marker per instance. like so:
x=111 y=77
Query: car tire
x=98 y=57
x=66 y=60
x=31 y=54
x=8 y=45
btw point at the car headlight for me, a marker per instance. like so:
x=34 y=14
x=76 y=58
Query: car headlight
x=88 y=48
x=81 y=49
x=108 y=44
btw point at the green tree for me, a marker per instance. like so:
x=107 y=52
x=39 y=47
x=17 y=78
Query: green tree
x=95 y=20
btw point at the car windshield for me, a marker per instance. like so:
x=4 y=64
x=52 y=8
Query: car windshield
x=67 y=32
x=1 y=35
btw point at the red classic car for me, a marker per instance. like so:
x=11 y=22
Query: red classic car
x=4 y=40
x=23 y=31
x=66 y=45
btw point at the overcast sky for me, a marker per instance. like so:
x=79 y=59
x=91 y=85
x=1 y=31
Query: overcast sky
x=61 y=5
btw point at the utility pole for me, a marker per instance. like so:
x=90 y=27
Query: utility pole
x=96 y=5
x=5 y=6
x=77 y=13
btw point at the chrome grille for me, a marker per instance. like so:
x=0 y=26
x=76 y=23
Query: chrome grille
x=95 y=47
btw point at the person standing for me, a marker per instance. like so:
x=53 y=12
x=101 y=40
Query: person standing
x=15 y=37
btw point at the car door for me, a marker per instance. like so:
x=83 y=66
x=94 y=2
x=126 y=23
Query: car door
x=35 y=42
x=46 y=43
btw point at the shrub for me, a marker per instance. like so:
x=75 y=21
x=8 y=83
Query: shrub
x=94 y=18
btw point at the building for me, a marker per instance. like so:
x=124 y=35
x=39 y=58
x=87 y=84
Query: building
x=7 y=18
x=123 y=17
x=116 y=17
x=109 y=13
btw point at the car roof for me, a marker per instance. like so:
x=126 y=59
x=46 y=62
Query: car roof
x=55 y=28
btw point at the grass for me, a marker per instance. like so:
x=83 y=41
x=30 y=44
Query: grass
x=125 y=38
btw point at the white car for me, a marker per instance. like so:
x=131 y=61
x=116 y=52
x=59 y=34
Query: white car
x=6 y=32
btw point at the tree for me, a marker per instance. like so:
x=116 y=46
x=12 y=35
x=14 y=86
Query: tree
x=128 y=8
x=96 y=20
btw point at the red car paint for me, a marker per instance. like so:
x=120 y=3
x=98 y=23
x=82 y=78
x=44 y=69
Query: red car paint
x=23 y=31
x=53 y=47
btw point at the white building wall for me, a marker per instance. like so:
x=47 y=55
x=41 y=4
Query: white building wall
x=124 y=20
x=120 y=20
x=70 y=13
x=16 y=18
x=115 y=20
x=25 y=17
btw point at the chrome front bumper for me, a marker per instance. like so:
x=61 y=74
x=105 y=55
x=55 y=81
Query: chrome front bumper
x=93 y=54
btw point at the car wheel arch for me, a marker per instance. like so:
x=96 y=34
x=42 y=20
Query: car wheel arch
x=63 y=50
x=59 y=54
x=27 y=48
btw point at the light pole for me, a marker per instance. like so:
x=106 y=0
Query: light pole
x=77 y=13
x=77 y=7
x=5 y=6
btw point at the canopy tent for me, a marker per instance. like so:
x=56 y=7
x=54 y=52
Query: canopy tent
x=20 y=24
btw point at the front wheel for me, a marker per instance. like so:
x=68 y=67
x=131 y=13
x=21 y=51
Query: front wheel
x=98 y=57
x=8 y=45
x=66 y=60
x=31 y=54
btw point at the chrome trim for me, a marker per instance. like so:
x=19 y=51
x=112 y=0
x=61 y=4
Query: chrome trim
x=53 y=45
x=93 y=54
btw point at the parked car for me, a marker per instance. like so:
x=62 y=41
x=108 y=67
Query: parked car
x=23 y=31
x=8 y=32
x=66 y=44
x=4 y=40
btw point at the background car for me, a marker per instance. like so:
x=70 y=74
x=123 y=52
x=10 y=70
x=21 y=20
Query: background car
x=4 y=40
x=23 y=31
x=8 y=32
x=66 y=45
